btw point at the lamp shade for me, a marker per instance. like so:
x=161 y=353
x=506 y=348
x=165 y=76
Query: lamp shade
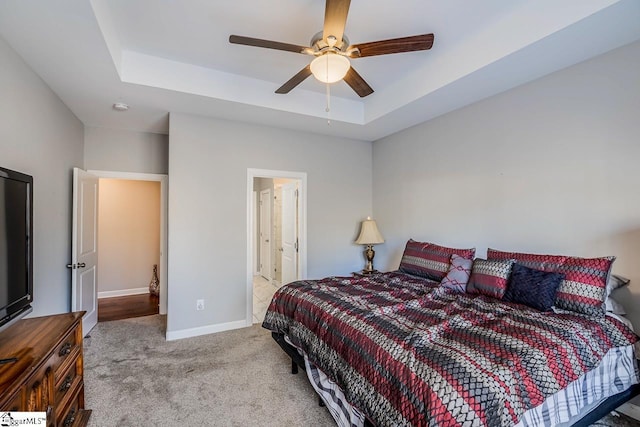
x=369 y=234
x=330 y=67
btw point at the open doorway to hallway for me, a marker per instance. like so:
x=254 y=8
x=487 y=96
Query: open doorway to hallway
x=131 y=244
x=276 y=230
x=128 y=248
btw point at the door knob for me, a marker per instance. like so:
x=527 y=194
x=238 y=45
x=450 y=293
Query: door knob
x=81 y=265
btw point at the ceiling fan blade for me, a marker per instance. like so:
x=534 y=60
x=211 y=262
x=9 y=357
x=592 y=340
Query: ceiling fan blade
x=335 y=19
x=295 y=80
x=357 y=83
x=250 y=41
x=402 y=44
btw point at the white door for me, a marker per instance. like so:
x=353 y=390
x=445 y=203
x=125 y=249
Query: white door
x=289 y=232
x=84 y=248
x=265 y=234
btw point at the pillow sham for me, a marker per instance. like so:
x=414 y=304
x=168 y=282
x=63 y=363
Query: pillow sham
x=534 y=288
x=459 y=273
x=490 y=277
x=430 y=260
x=583 y=289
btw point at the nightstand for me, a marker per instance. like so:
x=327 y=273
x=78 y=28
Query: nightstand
x=363 y=274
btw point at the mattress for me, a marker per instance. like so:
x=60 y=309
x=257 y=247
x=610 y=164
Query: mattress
x=616 y=373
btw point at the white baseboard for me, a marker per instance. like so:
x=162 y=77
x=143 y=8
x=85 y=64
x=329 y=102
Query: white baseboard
x=205 y=330
x=122 y=293
x=630 y=410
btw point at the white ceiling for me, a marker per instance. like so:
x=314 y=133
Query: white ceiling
x=162 y=56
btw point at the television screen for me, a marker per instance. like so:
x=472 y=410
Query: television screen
x=15 y=251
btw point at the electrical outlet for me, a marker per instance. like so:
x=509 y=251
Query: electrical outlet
x=200 y=304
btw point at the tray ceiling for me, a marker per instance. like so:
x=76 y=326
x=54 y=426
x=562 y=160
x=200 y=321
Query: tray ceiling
x=174 y=56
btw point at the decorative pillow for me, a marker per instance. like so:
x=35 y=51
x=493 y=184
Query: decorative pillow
x=614 y=306
x=583 y=289
x=535 y=288
x=459 y=273
x=430 y=260
x=490 y=277
x=616 y=282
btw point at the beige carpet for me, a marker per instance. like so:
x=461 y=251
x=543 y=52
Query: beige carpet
x=133 y=377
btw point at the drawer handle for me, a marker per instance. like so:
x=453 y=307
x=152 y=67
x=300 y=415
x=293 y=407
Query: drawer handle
x=66 y=385
x=66 y=349
x=70 y=418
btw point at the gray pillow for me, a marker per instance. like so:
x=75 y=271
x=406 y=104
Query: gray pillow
x=615 y=282
x=614 y=306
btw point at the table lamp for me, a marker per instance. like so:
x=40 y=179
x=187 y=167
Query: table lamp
x=369 y=236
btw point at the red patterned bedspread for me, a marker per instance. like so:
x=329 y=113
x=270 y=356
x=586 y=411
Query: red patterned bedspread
x=407 y=352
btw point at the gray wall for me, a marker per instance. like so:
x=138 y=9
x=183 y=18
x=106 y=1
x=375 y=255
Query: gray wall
x=125 y=151
x=39 y=136
x=548 y=167
x=208 y=162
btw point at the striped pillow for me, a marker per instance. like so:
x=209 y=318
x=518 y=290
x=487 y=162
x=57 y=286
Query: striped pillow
x=583 y=289
x=429 y=260
x=490 y=277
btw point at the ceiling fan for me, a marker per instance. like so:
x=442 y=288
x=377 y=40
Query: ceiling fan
x=332 y=50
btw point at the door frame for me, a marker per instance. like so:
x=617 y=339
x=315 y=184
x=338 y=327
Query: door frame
x=302 y=227
x=164 y=191
x=266 y=213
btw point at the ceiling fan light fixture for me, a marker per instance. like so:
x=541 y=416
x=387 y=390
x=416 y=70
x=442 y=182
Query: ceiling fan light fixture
x=330 y=67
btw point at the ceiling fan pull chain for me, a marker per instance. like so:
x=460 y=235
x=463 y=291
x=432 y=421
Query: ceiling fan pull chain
x=328 y=109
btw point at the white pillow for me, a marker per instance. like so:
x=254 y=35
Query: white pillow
x=458 y=275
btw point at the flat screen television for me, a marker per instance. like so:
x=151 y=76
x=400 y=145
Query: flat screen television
x=16 y=249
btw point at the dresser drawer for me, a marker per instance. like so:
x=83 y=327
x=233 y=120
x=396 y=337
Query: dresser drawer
x=67 y=381
x=74 y=414
x=66 y=352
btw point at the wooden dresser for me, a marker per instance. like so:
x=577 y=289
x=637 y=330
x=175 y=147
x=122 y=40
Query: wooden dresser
x=48 y=374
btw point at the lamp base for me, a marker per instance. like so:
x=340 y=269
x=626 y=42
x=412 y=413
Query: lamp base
x=367 y=272
x=369 y=253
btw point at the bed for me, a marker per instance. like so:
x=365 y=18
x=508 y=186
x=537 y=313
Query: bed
x=400 y=348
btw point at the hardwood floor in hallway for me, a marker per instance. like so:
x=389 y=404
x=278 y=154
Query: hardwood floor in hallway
x=126 y=307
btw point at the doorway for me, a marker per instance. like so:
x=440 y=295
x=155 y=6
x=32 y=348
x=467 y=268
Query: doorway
x=128 y=248
x=276 y=211
x=129 y=301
